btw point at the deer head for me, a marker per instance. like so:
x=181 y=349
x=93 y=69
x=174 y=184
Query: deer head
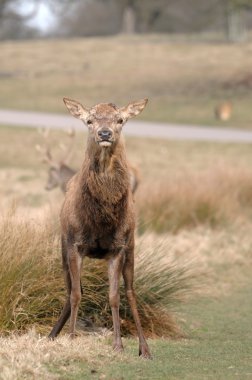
x=59 y=172
x=104 y=120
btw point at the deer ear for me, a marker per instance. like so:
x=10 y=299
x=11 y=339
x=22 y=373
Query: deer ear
x=76 y=108
x=133 y=108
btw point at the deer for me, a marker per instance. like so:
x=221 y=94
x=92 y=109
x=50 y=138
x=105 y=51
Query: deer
x=97 y=216
x=223 y=111
x=59 y=173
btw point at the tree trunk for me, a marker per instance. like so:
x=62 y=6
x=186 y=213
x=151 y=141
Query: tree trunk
x=235 y=23
x=129 y=20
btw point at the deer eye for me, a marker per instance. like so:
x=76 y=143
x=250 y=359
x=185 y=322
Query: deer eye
x=89 y=122
x=120 y=121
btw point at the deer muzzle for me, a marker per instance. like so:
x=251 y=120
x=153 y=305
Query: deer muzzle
x=105 y=137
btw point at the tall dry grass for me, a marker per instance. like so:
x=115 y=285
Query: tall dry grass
x=215 y=197
x=32 y=290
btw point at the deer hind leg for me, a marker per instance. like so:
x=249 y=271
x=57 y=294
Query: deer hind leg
x=114 y=271
x=128 y=275
x=65 y=314
x=74 y=262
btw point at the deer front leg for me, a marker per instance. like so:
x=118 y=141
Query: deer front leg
x=74 y=262
x=128 y=275
x=65 y=314
x=114 y=271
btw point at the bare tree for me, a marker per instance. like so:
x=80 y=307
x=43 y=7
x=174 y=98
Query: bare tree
x=235 y=11
x=90 y=18
x=106 y=17
x=99 y=17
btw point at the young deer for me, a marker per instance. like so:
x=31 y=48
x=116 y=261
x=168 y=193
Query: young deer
x=97 y=217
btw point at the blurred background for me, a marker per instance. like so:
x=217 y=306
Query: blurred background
x=188 y=57
x=223 y=20
x=193 y=60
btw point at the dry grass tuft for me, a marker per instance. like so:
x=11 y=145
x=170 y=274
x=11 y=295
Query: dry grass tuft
x=32 y=290
x=30 y=270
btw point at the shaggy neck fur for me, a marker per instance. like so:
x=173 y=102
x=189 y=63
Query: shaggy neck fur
x=105 y=172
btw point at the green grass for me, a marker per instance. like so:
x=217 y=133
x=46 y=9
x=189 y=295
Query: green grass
x=184 y=82
x=218 y=347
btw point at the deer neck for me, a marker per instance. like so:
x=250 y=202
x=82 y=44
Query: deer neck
x=105 y=172
x=102 y=159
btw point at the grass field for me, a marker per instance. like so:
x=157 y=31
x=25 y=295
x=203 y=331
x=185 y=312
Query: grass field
x=183 y=81
x=202 y=189
x=218 y=347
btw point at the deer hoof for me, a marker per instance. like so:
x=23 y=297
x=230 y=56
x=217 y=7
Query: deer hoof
x=118 y=347
x=72 y=336
x=144 y=353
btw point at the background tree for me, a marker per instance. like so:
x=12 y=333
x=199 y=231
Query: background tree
x=229 y=18
x=13 y=18
x=235 y=12
x=13 y=23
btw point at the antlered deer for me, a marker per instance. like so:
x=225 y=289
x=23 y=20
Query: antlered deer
x=59 y=173
x=97 y=217
x=58 y=176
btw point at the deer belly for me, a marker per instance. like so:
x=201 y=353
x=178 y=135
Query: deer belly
x=100 y=248
x=100 y=243
x=98 y=252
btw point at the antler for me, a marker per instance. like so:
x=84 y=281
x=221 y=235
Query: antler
x=46 y=151
x=46 y=154
x=68 y=150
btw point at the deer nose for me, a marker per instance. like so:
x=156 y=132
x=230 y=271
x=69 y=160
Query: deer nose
x=105 y=134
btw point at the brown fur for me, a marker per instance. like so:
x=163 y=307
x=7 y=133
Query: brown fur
x=60 y=175
x=97 y=217
x=102 y=192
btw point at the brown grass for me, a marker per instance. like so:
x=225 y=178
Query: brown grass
x=31 y=356
x=180 y=186
x=215 y=197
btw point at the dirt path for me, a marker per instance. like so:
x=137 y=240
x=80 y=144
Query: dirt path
x=133 y=128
